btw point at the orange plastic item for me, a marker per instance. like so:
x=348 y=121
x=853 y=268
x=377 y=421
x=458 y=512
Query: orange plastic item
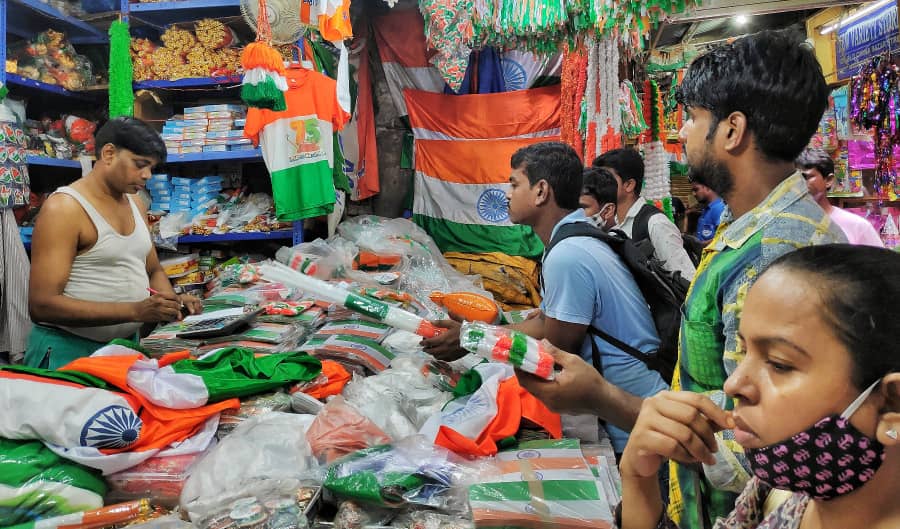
x=467 y=305
x=337 y=376
x=514 y=406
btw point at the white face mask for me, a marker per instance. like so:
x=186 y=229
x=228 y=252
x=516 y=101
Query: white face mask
x=600 y=222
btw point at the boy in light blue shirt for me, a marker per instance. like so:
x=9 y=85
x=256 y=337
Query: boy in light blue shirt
x=585 y=284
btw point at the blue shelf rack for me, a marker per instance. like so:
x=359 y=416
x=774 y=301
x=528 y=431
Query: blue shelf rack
x=33 y=159
x=229 y=156
x=216 y=83
x=30 y=17
x=238 y=236
x=15 y=80
x=161 y=14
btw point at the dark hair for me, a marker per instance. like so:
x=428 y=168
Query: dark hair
x=627 y=163
x=601 y=184
x=132 y=134
x=555 y=162
x=858 y=286
x=773 y=78
x=678 y=209
x=818 y=159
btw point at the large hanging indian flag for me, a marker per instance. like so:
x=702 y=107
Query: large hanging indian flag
x=463 y=146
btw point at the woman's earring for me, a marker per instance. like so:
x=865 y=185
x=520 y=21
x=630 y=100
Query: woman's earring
x=892 y=433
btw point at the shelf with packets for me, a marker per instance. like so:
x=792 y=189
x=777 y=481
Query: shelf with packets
x=24 y=85
x=238 y=236
x=27 y=18
x=250 y=155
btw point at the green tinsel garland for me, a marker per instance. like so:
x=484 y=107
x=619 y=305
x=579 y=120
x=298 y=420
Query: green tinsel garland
x=655 y=118
x=3 y=92
x=121 y=94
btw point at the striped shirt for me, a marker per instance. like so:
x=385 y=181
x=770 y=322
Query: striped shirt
x=708 y=350
x=15 y=323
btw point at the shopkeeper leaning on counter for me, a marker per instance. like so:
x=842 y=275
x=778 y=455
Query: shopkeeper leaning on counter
x=93 y=264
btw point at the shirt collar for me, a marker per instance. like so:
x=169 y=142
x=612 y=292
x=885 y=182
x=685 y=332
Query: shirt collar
x=576 y=216
x=738 y=231
x=632 y=211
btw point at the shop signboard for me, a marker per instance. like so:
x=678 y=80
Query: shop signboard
x=868 y=37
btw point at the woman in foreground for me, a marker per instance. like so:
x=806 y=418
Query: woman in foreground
x=817 y=401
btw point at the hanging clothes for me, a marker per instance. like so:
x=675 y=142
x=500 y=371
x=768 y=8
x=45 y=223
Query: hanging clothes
x=484 y=74
x=297 y=145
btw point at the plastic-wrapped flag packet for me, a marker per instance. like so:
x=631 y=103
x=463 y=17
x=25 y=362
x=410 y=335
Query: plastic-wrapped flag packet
x=505 y=345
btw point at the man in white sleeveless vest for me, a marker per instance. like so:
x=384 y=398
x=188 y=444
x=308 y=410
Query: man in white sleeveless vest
x=93 y=264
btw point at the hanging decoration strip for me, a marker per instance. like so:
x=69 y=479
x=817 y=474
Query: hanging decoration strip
x=448 y=30
x=657 y=175
x=264 y=83
x=121 y=93
x=610 y=119
x=632 y=110
x=573 y=87
x=875 y=104
x=544 y=26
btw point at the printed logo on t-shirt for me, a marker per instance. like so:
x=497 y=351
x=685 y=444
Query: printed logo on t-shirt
x=307 y=139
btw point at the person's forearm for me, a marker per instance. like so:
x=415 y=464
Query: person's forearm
x=642 y=505
x=613 y=404
x=533 y=327
x=63 y=310
x=159 y=282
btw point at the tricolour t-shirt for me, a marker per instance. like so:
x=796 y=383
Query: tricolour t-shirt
x=297 y=144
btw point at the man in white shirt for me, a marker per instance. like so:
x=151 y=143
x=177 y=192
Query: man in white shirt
x=640 y=220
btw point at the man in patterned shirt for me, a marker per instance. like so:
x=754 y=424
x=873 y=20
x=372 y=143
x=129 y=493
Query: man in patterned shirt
x=752 y=107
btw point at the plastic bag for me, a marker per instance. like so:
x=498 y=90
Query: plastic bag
x=353 y=515
x=283 y=504
x=163 y=522
x=321 y=259
x=431 y=520
x=254 y=406
x=339 y=430
x=159 y=478
x=265 y=452
x=380 y=398
x=502 y=344
x=171 y=227
x=40 y=484
x=411 y=471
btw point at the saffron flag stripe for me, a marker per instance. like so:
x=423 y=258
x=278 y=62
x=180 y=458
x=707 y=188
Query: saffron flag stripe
x=468 y=162
x=485 y=116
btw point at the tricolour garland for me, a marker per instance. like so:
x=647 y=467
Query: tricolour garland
x=264 y=83
x=545 y=26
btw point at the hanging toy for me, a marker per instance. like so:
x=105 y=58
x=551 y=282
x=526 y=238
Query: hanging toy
x=264 y=84
x=121 y=93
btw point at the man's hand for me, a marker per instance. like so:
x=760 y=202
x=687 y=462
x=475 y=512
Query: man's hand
x=157 y=308
x=572 y=389
x=445 y=346
x=678 y=425
x=191 y=303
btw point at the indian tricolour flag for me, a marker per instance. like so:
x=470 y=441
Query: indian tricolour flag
x=463 y=146
x=400 y=36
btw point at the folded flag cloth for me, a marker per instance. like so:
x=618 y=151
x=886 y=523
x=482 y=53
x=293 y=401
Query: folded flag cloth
x=117 y=408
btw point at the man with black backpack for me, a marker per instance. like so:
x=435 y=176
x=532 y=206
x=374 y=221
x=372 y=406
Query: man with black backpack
x=641 y=221
x=585 y=285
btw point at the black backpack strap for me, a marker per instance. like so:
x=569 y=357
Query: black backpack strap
x=634 y=352
x=641 y=229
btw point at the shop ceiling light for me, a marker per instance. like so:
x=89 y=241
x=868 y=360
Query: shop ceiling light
x=741 y=20
x=858 y=14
